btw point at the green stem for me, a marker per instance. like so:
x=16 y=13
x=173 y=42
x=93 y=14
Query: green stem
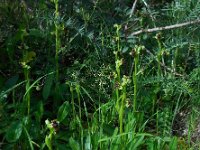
x=157 y=117
x=57 y=27
x=79 y=100
x=135 y=83
x=159 y=67
x=50 y=147
x=159 y=56
x=28 y=97
x=13 y=96
x=72 y=99
x=121 y=113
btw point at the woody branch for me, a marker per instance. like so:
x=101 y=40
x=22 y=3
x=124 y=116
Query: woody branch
x=166 y=27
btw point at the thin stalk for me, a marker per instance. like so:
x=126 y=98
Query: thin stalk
x=157 y=118
x=159 y=55
x=79 y=100
x=153 y=104
x=135 y=83
x=28 y=96
x=159 y=73
x=77 y=88
x=72 y=100
x=102 y=36
x=56 y=56
x=159 y=67
x=13 y=96
x=29 y=138
x=118 y=79
x=26 y=68
x=117 y=60
x=159 y=59
x=49 y=137
x=121 y=113
x=57 y=36
x=175 y=56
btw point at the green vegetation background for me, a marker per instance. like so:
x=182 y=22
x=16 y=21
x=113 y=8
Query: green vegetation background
x=74 y=76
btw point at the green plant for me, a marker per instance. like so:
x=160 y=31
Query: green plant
x=142 y=97
x=27 y=58
x=137 y=51
x=57 y=37
x=49 y=137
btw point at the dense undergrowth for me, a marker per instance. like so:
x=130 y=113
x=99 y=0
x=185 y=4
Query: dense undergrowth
x=74 y=76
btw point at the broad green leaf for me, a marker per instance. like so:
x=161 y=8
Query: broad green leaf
x=47 y=86
x=63 y=111
x=73 y=144
x=14 y=132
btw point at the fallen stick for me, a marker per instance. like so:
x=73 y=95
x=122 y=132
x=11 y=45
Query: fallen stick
x=166 y=27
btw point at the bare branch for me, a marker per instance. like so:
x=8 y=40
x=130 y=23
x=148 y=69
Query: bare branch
x=133 y=8
x=166 y=27
x=131 y=14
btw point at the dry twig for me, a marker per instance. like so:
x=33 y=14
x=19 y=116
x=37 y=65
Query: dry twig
x=166 y=27
x=133 y=8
